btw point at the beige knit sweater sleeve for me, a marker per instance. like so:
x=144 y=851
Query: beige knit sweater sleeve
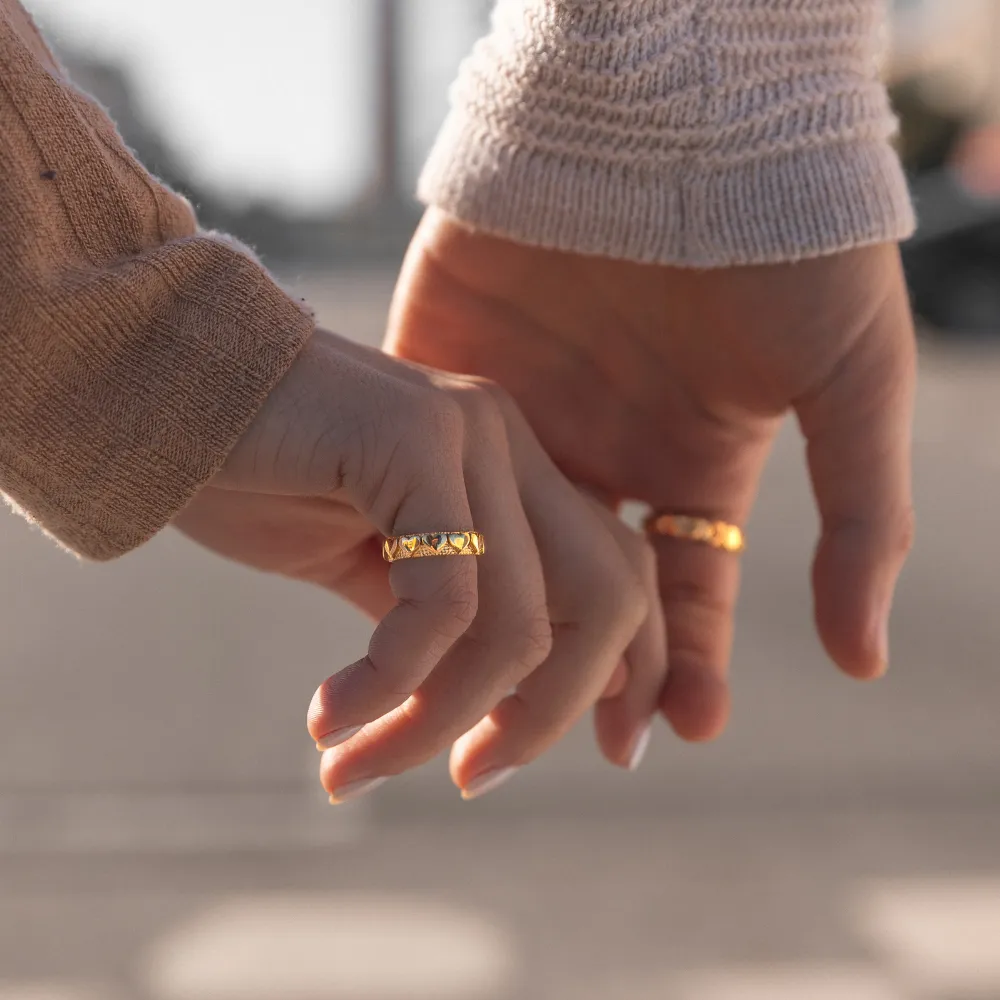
x=134 y=350
x=690 y=132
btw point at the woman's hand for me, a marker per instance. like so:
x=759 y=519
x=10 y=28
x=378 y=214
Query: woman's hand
x=668 y=385
x=354 y=445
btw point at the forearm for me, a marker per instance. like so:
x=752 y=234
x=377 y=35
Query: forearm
x=702 y=133
x=134 y=350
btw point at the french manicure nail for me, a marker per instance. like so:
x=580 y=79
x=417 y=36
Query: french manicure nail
x=883 y=644
x=486 y=782
x=355 y=789
x=882 y=637
x=640 y=746
x=337 y=737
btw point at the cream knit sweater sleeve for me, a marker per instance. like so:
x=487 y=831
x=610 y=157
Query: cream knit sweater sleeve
x=690 y=132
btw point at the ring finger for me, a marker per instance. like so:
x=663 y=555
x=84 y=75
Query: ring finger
x=699 y=583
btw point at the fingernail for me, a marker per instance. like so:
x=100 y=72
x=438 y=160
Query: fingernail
x=882 y=667
x=355 y=789
x=486 y=782
x=883 y=641
x=337 y=737
x=640 y=746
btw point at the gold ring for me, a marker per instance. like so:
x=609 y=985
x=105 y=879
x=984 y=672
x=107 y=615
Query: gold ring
x=434 y=543
x=718 y=534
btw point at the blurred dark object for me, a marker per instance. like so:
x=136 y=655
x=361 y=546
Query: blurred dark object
x=927 y=132
x=952 y=264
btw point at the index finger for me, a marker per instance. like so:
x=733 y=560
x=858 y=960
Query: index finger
x=437 y=602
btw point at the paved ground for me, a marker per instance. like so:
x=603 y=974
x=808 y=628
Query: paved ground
x=161 y=837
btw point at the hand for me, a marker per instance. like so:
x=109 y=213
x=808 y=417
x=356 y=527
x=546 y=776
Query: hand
x=668 y=385
x=353 y=445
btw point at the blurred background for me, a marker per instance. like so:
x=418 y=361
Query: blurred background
x=162 y=834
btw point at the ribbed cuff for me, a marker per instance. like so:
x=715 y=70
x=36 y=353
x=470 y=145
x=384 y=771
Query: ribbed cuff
x=781 y=206
x=119 y=450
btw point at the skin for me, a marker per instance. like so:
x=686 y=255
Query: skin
x=668 y=385
x=505 y=651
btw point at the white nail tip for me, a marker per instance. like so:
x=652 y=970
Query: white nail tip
x=640 y=747
x=486 y=782
x=337 y=737
x=355 y=789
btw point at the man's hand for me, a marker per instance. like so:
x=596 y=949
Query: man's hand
x=668 y=385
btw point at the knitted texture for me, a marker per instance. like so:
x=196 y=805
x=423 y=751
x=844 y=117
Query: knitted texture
x=134 y=351
x=690 y=132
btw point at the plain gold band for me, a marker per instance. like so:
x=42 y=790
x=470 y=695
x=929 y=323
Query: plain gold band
x=719 y=534
x=433 y=543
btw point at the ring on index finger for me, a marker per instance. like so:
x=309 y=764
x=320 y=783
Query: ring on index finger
x=433 y=543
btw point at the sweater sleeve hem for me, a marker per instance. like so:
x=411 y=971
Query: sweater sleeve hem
x=169 y=415
x=777 y=206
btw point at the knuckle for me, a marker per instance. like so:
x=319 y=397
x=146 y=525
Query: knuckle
x=691 y=596
x=506 y=405
x=699 y=623
x=436 y=412
x=412 y=736
x=426 y=726
x=529 y=640
x=388 y=682
x=455 y=604
x=620 y=601
x=903 y=532
x=478 y=402
x=448 y=417
x=635 y=600
x=373 y=683
x=413 y=714
x=522 y=640
x=530 y=726
x=889 y=534
x=524 y=725
x=500 y=397
x=641 y=555
x=419 y=429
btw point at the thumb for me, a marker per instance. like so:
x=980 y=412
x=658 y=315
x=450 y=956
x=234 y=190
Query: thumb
x=858 y=425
